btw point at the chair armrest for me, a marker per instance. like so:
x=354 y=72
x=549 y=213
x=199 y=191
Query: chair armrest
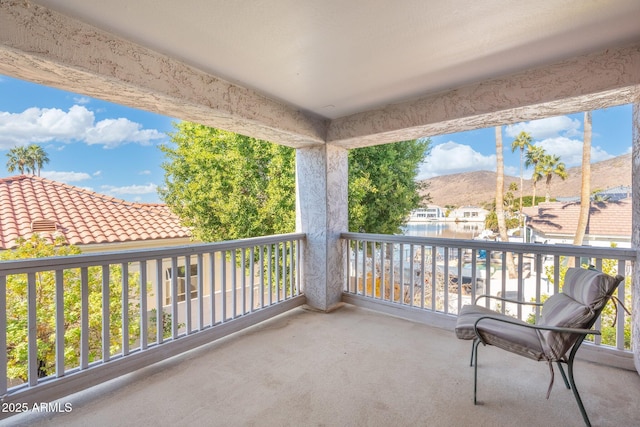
x=537 y=304
x=530 y=326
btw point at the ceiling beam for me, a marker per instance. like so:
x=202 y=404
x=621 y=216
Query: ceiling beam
x=46 y=47
x=588 y=82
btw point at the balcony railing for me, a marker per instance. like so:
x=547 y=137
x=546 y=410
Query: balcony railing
x=433 y=278
x=76 y=321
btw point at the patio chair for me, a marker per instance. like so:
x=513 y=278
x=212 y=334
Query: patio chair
x=566 y=319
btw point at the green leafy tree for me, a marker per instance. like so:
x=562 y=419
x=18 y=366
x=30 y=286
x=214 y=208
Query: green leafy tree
x=382 y=185
x=229 y=186
x=17 y=313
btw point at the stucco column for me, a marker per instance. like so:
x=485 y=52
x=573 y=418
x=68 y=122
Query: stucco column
x=635 y=231
x=322 y=213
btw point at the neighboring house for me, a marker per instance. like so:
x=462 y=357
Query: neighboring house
x=468 y=213
x=430 y=213
x=613 y=194
x=556 y=223
x=94 y=222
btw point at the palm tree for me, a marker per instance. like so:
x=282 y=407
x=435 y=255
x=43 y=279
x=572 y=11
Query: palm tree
x=551 y=165
x=18 y=159
x=522 y=142
x=502 y=224
x=534 y=154
x=585 y=189
x=37 y=158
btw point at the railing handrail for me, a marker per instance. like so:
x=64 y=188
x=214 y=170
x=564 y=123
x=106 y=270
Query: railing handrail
x=554 y=249
x=114 y=257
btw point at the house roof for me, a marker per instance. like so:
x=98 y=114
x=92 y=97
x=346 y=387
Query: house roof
x=605 y=218
x=31 y=204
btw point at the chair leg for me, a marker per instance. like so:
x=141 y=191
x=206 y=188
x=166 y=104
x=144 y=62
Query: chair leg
x=475 y=371
x=564 y=376
x=474 y=348
x=576 y=394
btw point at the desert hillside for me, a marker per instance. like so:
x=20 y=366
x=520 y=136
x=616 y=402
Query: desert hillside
x=478 y=188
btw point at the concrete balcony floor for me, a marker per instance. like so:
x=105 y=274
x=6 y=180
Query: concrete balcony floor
x=351 y=367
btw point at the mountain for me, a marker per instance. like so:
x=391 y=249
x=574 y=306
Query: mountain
x=479 y=188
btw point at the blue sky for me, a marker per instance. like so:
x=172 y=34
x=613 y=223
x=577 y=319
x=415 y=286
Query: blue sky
x=112 y=149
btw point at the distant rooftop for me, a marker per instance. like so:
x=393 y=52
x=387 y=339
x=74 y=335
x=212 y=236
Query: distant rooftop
x=612 y=218
x=30 y=204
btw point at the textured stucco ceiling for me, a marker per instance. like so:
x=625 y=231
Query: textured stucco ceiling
x=335 y=58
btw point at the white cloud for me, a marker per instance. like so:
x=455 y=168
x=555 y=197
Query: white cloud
x=130 y=189
x=37 y=125
x=144 y=172
x=65 y=177
x=570 y=150
x=82 y=100
x=111 y=133
x=546 y=128
x=451 y=157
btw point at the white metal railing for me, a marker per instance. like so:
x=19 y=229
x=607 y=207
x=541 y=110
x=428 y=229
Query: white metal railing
x=112 y=312
x=439 y=276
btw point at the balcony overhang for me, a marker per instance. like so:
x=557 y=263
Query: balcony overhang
x=46 y=47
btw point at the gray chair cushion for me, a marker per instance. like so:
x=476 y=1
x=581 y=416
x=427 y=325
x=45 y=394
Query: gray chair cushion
x=513 y=338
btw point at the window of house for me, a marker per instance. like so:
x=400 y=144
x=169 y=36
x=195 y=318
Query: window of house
x=182 y=280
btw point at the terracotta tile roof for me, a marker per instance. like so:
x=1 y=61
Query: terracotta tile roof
x=605 y=218
x=29 y=203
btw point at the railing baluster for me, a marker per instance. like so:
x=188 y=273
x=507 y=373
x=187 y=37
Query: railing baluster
x=223 y=289
x=187 y=293
x=434 y=278
x=125 y=308
x=159 y=303
x=243 y=282
x=487 y=272
x=447 y=279
x=252 y=258
x=84 y=318
x=144 y=318
x=520 y=283
x=234 y=284
x=106 y=314
x=174 y=298
x=212 y=286
x=538 y=267
x=621 y=315
x=32 y=335
x=460 y=280
x=200 y=297
x=262 y=287
x=383 y=268
x=269 y=272
x=59 y=323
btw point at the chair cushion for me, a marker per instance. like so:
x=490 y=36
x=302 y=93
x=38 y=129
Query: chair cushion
x=589 y=287
x=513 y=338
x=562 y=311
